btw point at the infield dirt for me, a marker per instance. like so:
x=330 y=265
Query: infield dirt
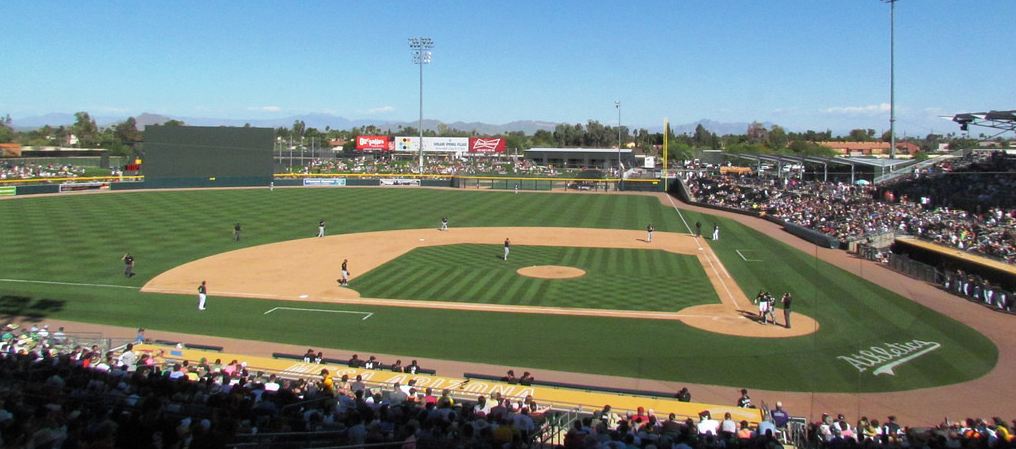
x=308 y=270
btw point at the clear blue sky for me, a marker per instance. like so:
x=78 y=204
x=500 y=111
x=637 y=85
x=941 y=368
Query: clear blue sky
x=803 y=64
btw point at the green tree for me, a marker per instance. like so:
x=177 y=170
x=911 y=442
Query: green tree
x=859 y=135
x=702 y=137
x=777 y=138
x=85 y=130
x=127 y=131
x=174 y=122
x=7 y=133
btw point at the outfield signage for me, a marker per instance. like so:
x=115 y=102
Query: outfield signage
x=332 y=182
x=882 y=359
x=487 y=144
x=79 y=186
x=400 y=182
x=432 y=144
x=8 y=191
x=373 y=143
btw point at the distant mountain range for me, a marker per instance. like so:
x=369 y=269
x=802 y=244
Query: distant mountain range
x=322 y=121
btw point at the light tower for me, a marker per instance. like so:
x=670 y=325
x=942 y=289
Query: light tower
x=419 y=48
x=617 y=104
x=892 y=78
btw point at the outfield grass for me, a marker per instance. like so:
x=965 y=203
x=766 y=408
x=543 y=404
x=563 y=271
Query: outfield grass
x=80 y=238
x=664 y=281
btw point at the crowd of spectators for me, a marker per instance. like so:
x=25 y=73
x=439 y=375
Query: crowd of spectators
x=16 y=170
x=59 y=396
x=432 y=165
x=922 y=207
x=75 y=397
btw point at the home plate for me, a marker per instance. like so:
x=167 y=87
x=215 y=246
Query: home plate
x=303 y=296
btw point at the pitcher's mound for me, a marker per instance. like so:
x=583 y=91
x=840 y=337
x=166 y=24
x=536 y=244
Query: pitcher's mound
x=551 y=272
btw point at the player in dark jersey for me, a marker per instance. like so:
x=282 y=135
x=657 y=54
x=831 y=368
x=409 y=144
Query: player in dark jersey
x=128 y=265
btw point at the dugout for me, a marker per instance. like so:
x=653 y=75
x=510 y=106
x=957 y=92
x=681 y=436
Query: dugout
x=206 y=156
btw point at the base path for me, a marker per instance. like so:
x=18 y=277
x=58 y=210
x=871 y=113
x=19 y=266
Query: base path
x=308 y=270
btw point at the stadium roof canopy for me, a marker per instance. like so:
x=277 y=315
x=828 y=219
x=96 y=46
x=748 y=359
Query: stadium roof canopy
x=879 y=166
x=1003 y=120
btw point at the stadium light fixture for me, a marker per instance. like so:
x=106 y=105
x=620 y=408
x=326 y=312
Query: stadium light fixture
x=617 y=104
x=892 y=78
x=419 y=48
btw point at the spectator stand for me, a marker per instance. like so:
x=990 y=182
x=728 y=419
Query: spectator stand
x=561 y=398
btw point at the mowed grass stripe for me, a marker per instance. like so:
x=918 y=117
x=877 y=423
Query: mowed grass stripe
x=629 y=278
x=80 y=238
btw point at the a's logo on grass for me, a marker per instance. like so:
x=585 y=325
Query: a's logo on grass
x=883 y=358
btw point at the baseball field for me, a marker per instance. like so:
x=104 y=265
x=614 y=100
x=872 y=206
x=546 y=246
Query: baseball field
x=61 y=259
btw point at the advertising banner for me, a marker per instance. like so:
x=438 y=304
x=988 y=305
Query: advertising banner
x=400 y=182
x=432 y=144
x=8 y=191
x=487 y=144
x=446 y=144
x=405 y=143
x=373 y=143
x=79 y=186
x=333 y=182
x=650 y=162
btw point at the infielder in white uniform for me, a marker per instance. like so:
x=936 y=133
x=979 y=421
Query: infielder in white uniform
x=321 y=228
x=716 y=232
x=507 y=248
x=202 y=295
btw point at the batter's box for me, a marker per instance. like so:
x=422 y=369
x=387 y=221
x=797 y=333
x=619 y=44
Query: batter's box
x=746 y=255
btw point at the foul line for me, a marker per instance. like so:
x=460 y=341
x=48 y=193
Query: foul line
x=365 y=314
x=706 y=254
x=745 y=258
x=77 y=284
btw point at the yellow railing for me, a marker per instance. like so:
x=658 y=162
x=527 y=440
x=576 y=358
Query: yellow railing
x=81 y=178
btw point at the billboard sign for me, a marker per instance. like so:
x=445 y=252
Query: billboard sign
x=403 y=143
x=487 y=144
x=373 y=143
x=432 y=144
x=333 y=182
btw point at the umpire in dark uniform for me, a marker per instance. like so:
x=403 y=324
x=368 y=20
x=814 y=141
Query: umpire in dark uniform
x=786 y=300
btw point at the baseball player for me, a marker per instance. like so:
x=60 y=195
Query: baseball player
x=271 y=186
x=770 y=308
x=507 y=248
x=444 y=223
x=236 y=232
x=649 y=233
x=344 y=282
x=716 y=232
x=321 y=228
x=202 y=295
x=128 y=265
x=760 y=301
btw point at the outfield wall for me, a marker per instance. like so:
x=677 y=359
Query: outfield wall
x=52 y=185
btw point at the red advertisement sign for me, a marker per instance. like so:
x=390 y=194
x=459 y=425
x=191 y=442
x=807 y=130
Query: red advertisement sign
x=382 y=143
x=487 y=144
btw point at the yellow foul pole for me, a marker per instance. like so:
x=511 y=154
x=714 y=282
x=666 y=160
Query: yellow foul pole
x=666 y=178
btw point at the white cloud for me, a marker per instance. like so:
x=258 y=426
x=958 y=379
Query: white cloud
x=871 y=109
x=264 y=108
x=381 y=110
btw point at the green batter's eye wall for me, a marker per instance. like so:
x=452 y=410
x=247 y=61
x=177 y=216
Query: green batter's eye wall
x=178 y=156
